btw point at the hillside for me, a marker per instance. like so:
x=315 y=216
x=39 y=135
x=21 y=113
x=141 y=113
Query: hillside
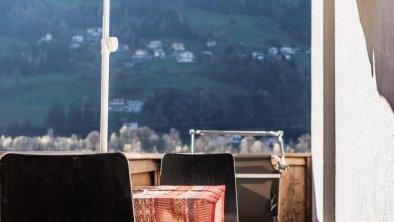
x=227 y=71
x=254 y=32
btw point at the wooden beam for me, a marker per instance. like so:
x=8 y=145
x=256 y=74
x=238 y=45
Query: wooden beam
x=142 y=166
x=308 y=189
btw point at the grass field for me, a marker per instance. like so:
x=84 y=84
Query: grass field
x=250 y=31
x=29 y=98
x=77 y=2
x=167 y=73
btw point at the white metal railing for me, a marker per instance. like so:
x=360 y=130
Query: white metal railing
x=282 y=164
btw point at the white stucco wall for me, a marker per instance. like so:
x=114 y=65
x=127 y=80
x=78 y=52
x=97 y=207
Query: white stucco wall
x=364 y=127
x=317 y=106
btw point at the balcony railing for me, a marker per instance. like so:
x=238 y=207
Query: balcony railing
x=295 y=190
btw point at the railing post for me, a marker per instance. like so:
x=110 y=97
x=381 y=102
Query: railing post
x=192 y=134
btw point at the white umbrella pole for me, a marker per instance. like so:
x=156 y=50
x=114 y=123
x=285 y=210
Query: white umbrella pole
x=108 y=45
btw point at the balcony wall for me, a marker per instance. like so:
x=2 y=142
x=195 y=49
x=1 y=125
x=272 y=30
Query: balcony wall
x=364 y=110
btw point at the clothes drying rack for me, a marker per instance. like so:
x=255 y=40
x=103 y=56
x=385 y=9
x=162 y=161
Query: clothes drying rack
x=258 y=172
x=282 y=164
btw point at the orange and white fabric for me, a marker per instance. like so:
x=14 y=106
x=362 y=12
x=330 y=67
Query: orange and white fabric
x=179 y=203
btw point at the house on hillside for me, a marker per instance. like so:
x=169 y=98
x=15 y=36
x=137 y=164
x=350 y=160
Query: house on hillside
x=185 y=57
x=140 y=57
x=134 y=106
x=211 y=43
x=273 y=51
x=75 y=46
x=46 y=38
x=287 y=56
x=130 y=125
x=94 y=31
x=257 y=55
x=140 y=54
x=207 y=53
x=124 y=105
x=159 y=53
x=178 y=46
x=94 y=34
x=116 y=104
x=155 y=45
x=287 y=51
x=76 y=41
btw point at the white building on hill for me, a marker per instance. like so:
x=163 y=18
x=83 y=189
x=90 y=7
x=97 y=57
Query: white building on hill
x=159 y=53
x=178 y=46
x=155 y=45
x=94 y=34
x=46 y=38
x=185 y=57
x=77 y=39
x=258 y=55
x=140 y=54
x=288 y=51
x=273 y=51
x=124 y=105
x=76 y=42
x=211 y=43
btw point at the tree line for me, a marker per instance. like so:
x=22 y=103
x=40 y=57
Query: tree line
x=277 y=96
x=293 y=16
x=63 y=121
x=30 y=19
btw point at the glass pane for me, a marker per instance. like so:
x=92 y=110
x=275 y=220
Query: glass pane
x=49 y=74
x=209 y=64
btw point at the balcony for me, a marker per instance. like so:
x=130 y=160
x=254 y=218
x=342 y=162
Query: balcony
x=295 y=202
x=295 y=189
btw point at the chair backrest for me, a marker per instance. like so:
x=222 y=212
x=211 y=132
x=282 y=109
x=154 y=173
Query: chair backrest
x=203 y=169
x=65 y=188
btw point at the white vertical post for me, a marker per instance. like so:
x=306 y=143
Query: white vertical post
x=282 y=148
x=317 y=106
x=104 y=79
x=192 y=133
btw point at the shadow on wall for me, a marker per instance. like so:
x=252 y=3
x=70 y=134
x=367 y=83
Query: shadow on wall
x=377 y=21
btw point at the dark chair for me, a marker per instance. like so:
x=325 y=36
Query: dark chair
x=203 y=169
x=65 y=188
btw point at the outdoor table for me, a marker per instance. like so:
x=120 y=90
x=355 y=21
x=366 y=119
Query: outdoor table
x=179 y=203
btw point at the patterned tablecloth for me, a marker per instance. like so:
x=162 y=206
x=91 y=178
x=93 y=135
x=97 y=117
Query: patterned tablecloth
x=179 y=204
